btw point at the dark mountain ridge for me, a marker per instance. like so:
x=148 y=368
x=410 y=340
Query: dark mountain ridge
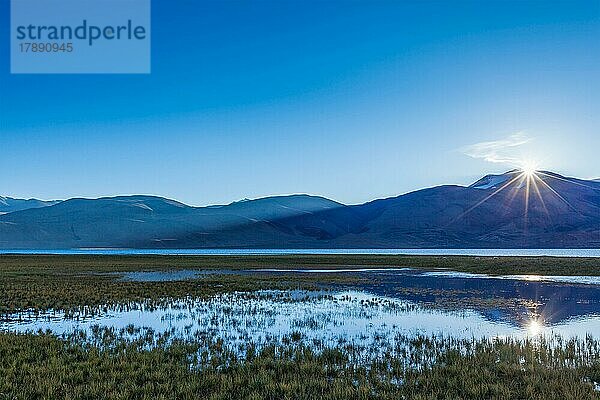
x=509 y=210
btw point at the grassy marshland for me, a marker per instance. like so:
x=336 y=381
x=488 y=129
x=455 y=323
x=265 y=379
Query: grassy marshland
x=111 y=364
x=70 y=282
x=488 y=265
x=45 y=367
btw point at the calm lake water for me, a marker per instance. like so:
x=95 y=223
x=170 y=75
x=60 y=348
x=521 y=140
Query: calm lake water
x=387 y=306
x=463 y=252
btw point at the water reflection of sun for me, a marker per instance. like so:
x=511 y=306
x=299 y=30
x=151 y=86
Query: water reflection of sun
x=534 y=327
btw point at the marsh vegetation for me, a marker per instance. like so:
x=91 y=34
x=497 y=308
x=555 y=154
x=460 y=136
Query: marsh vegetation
x=43 y=366
x=198 y=327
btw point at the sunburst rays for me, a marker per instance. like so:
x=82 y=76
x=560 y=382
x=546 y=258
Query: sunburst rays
x=529 y=180
x=504 y=186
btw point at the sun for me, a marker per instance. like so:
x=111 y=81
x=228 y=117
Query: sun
x=529 y=168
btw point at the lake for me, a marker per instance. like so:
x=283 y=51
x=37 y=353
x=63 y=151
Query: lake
x=385 y=309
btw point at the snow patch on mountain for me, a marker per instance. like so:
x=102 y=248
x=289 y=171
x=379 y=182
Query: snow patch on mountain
x=491 y=181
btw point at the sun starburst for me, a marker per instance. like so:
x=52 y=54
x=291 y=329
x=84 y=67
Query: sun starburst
x=529 y=168
x=530 y=180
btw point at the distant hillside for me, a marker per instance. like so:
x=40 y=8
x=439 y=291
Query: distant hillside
x=8 y=204
x=498 y=211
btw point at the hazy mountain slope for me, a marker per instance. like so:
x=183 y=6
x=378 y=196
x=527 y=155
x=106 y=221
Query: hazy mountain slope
x=146 y=221
x=9 y=204
x=85 y=222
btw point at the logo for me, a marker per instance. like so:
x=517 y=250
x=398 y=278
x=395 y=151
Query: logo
x=80 y=36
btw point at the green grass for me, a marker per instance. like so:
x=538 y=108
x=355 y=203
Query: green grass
x=45 y=367
x=488 y=265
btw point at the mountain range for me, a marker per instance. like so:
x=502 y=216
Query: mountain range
x=510 y=210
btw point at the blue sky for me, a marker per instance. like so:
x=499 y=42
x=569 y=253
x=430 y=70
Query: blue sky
x=349 y=100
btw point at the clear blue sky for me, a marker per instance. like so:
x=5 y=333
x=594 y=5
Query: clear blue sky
x=349 y=100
